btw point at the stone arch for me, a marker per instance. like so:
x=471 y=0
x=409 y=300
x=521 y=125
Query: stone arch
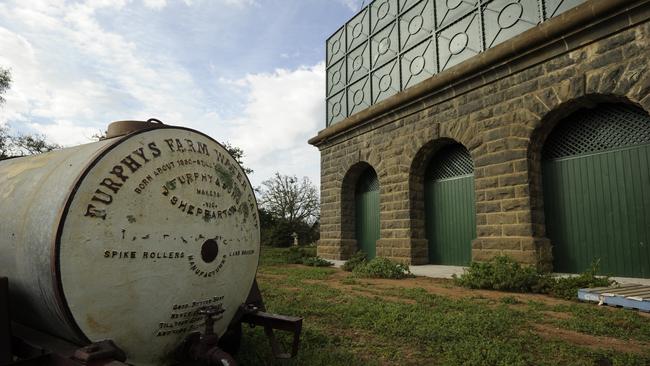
x=347 y=214
x=541 y=129
x=540 y=133
x=419 y=165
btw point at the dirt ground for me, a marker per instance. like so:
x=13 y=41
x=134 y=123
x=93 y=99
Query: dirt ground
x=443 y=287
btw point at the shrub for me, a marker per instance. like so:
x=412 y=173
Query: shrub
x=277 y=233
x=567 y=287
x=354 y=261
x=500 y=273
x=382 y=268
x=305 y=255
x=316 y=262
x=295 y=255
x=504 y=274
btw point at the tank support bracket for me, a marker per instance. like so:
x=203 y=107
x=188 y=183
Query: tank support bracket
x=270 y=322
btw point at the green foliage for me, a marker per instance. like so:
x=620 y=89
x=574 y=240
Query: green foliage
x=21 y=145
x=288 y=206
x=238 y=154
x=5 y=82
x=357 y=259
x=287 y=198
x=316 y=262
x=294 y=255
x=502 y=273
x=509 y=300
x=382 y=268
x=270 y=256
x=275 y=232
x=278 y=232
x=567 y=287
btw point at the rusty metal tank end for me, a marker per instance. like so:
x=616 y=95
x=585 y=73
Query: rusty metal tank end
x=121 y=128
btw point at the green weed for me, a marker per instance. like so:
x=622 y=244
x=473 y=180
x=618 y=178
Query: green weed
x=567 y=287
x=509 y=300
x=382 y=268
x=357 y=259
x=316 y=262
x=503 y=273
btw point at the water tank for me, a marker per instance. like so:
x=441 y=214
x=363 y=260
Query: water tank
x=126 y=238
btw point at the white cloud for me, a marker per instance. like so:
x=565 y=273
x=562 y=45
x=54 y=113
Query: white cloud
x=284 y=109
x=354 y=5
x=155 y=4
x=66 y=132
x=240 y=2
x=68 y=68
x=72 y=77
x=237 y=3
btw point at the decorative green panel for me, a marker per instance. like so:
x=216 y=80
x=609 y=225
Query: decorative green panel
x=367 y=213
x=419 y=39
x=598 y=208
x=450 y=206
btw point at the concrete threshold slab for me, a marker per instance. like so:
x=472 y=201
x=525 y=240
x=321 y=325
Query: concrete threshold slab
x=436 y=271
x=427 y=270
x=439 y=271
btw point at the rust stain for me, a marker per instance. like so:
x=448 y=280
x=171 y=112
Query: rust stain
x=95 y=325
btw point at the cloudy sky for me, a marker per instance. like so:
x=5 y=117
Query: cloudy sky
x=250 y=72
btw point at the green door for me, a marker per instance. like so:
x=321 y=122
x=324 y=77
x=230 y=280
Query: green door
x=367 y=212
x=449 y=206
x=596 y=181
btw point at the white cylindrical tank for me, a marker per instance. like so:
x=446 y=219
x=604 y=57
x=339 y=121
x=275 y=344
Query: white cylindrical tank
x=127 y=238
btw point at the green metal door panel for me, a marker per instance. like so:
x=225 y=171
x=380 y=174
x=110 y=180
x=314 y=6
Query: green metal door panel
x=451 y=220
x=596 y=208
x=367 y=213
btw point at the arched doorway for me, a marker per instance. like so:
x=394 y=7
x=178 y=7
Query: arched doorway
x=596 y=182
x=450 y=206
x=367 y=212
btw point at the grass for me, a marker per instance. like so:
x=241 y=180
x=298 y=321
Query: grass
x=357 y=321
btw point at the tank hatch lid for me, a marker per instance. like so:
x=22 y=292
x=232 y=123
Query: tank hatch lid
x=121 y=128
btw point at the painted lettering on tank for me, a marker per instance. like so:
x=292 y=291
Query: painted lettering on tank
x=176 y=145
x=117 y=176
x=186 y=317
x=227 y=178
x=134 y=162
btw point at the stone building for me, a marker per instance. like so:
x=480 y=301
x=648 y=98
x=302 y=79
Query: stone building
x=462 y=129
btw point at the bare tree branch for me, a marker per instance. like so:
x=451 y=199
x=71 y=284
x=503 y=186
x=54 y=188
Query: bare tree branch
x=291 y=199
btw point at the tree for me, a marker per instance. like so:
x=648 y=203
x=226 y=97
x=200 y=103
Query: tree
x=22 y=145
x=238 y=154
x=32 y=144
x=288 y=206
x=19 y=145
x=5 y=83
x=288 y=198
